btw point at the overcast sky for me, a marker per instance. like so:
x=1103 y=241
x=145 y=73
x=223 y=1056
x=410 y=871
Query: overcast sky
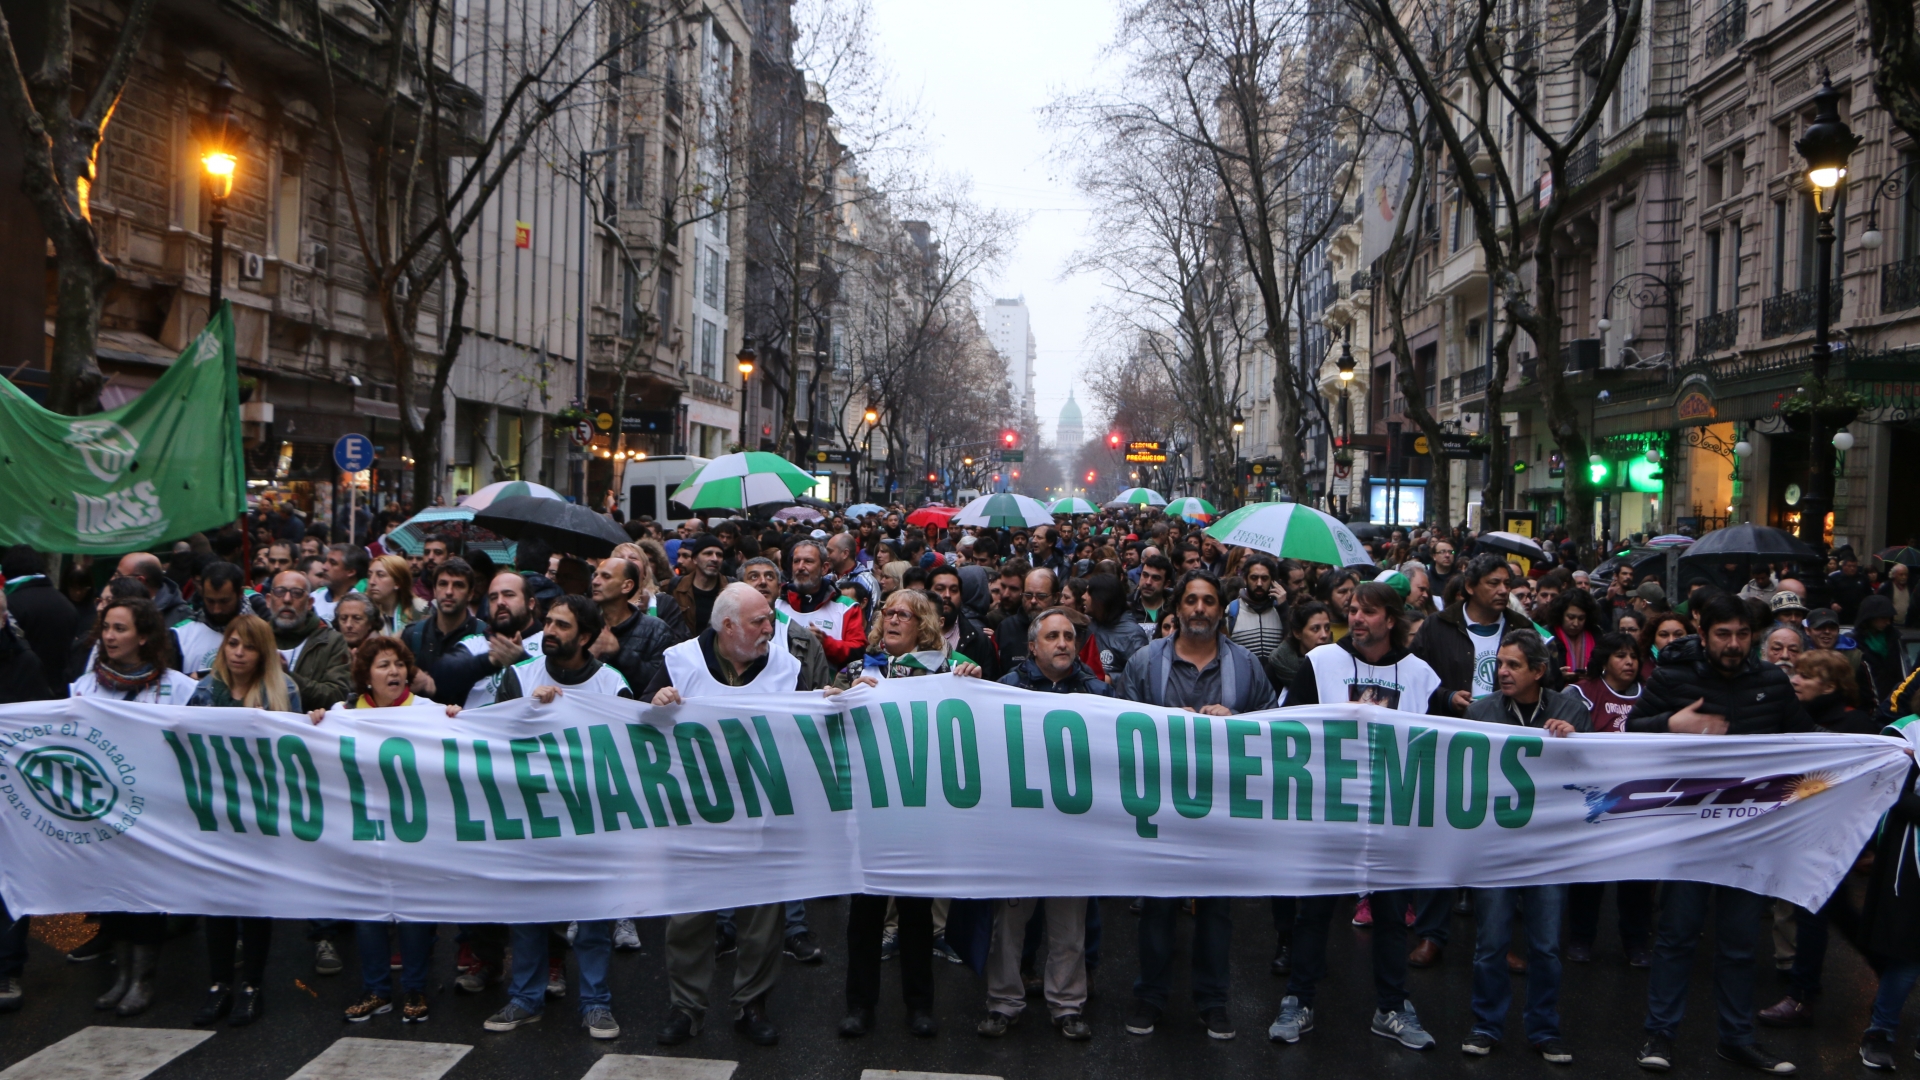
x=982 y=71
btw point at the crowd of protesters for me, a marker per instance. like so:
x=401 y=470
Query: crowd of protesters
x=1131 y=605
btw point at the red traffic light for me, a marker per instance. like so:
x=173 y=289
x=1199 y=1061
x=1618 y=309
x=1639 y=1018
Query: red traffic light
x=1089 y=476
x=1113 y=440
x=1008 y=437
x=933 y=478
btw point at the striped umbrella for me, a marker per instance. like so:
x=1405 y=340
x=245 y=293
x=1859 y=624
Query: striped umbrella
x=1072 y=505
x=739 y=481
x=1004 y=511
x=1191 y=507
x=1136 y=496
x=507 y=489
x=1291 y=531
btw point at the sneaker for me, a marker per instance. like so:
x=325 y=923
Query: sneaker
x=1282 y=961
x=1876 y=1050
x=800 y=947
x=474 y=979
x=1656 y=1054
x=1403 y=1026
x=726 y=942
x=573 y=928
x=1555 y=1051
x=600 y=1024
x=1074 y=1026
x=1363 y=912
x=1579 y=954
x=995 y=1024
x=368 y=1007
x=1218 y=1024
x=556 y=978
x=1478 y=1043
x=1754 y=1057
x=1294 y=1021
x=625 y=937
x=416 y=1010
x=10 y=994
x=91 y=949
x=889 y=946
x=326 y=959
x=1142 y=1018
x=944 y=951
x=511 y=1017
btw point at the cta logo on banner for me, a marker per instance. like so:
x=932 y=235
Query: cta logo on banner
x=68 y=783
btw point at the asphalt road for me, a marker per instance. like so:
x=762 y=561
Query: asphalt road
x=302 y=1032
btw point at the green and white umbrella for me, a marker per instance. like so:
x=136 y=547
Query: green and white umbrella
x=507 y=489
x=739 y=481
x=1190 y=507
x=1136 y=497
x=1004 y=511
x=1291 y=531
x=1073 y=505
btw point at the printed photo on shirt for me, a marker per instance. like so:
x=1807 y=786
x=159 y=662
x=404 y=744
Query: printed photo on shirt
x=1387 y=697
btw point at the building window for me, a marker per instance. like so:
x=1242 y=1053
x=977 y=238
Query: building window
x=1714 y=183
x=1626 y=226
x=663 y=299
x=1712 y=267
x=286 y=210
x=709 y=349
x=669 y=190
x=1736 y=172
x=1779 y=246
x=1739 y=235
x=636 y=192
x=711 y=287
x=629 y=301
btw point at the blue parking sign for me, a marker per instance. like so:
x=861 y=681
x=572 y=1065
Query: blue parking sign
x=353 y=453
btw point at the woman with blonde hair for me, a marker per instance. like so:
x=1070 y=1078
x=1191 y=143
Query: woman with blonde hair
x=247 y=673
x=390 y=587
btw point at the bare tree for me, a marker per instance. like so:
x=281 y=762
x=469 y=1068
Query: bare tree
x=1892 y=34
x=413 y=211
x=60 y=125
x=1470 y=67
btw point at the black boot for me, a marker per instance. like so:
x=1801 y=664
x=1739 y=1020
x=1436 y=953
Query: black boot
x=219 y=1003
x=122 y=976
x=139 y=995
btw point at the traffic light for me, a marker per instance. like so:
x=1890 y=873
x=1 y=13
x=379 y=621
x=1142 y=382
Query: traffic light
x=933 y=478
x=1113 y=441
x=1090 y=474
x=1016 y=474
x=1008 y=438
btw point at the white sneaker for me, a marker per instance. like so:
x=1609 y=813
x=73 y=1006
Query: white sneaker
x=625 y=937
x=572 y=929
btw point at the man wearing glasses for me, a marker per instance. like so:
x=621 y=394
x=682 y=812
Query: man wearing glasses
x=316 y=656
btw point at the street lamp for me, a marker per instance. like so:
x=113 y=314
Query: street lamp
x=1826 y=146
x=872 y=417
x=1638 y=290
x=219 y=162
x=744 y=359
x=1345 y=364
x=1239 y=422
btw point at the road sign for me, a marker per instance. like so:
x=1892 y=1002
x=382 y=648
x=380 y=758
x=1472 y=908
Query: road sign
x=833 y=457
x=583 y=433
x=1420 y=444
x=604 y=421
x=655 y=422
x=353 y=453
x=1013 y=455
x=1342 y=486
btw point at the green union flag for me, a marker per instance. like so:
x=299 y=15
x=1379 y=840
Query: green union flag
x=165 y=464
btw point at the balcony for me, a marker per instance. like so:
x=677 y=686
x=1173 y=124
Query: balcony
x=1727 y=28
x=1473 y=381
x=1793 y=312
x=1589 y=16
x=1583 y=164
x=1447 y=390
x=1465 y=271
x=1900 y=286
x=1714 y=333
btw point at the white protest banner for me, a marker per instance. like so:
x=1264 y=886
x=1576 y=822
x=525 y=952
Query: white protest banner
x=595 y=807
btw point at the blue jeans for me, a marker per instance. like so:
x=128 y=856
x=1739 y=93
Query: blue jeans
x=1212 y=943
x=1896 y=982
x=1540 y=908
x=376 y=955
x=1389 y=945
x=1432 y=908
x=325 y=929
x=796 y=918
x=592 y=950
x=1683 y=915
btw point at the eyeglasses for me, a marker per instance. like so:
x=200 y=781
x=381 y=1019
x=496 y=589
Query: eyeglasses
x=1038 y=595
x=287 y=591
x=896 y=613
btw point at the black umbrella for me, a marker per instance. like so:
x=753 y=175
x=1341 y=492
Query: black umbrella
x=1367 y=530
x=569 y=527
x=1750 y=543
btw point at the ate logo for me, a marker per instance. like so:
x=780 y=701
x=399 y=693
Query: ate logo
x=68 y=782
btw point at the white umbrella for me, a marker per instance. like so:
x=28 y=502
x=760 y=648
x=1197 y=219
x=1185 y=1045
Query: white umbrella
x=1004 y=511
x=1291 y=531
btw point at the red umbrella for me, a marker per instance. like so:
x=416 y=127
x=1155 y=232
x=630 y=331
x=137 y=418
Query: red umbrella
x=932 y=517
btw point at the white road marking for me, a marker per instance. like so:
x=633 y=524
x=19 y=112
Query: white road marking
x=636 y=1067
x=107 y=1053
x=382 y=1059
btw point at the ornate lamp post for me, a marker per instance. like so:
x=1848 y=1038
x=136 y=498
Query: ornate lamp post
x=744 y=359
x=1826 y=146
x=220 y=163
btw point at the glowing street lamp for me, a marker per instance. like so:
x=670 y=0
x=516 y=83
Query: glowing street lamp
x=220 y=164
x=1826 y=146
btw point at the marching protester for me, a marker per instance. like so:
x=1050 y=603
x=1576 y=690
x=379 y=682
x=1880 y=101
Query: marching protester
x=48 y=621
x=633 y=641
x=959 y=633
x=1309 y=626
x=390 y=587
x=317 y=656
x=22 y=676
x=1371 y=665
x=1462 y=643
x=1115 y=636
x=1200 y=671
x=813 y=604
x=246 y=673
x=1035 y=592
x=697 y=589
x=1609 y=691
x=1525 y=699
x=1150 y=600
x=1712 y=684
x=1257 y=618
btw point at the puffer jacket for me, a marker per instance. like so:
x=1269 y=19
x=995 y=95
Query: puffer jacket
x=1756 y=700
x=1028 y=676
x=644 y=641
x=1282 y=664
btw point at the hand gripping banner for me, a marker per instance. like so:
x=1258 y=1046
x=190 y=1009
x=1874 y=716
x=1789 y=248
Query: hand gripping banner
x=594 y=807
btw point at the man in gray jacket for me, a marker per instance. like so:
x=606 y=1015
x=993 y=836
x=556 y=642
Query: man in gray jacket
x=1525 y=700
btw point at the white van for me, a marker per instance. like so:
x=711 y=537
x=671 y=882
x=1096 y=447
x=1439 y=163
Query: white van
x=647 y=487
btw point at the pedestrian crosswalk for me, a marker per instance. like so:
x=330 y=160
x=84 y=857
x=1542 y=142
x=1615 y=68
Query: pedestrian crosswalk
x=107 y=1053
x=128 y=1053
